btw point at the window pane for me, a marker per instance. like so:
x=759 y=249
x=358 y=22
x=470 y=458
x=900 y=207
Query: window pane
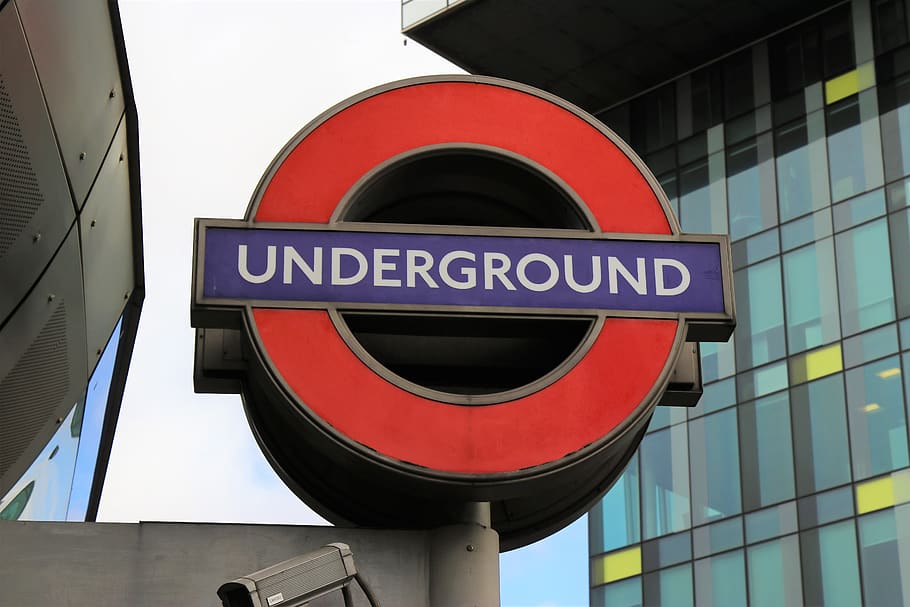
x=654 y=120
x=714 y=458
x=767 y=454
x=878 y=432
x=854 y=146
x=665 y=482
x=666 y=551
x=808 y=229
x=825 y=507
x=869 y=346
x=802 y=167
x=811 y=296
x=760 y=317
x=750 y=187
x=859 y=210
x=717 y=360
x=885 y=548
x=614 y=521
x=703 y=197
x=720 y=581
x=771 y=522
x=819 y=420
x=829 y=567
x=899 y=224
x=626 y=593
x=715 y=397
x=774 y=574
x=894 y=99
x=717 y=537
x=670 y=587
x=864 y=277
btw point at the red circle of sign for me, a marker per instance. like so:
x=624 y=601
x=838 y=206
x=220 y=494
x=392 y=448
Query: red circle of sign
x=609 y=384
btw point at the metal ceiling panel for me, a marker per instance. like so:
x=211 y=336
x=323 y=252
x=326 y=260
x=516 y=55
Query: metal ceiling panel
x=42 y=363
x=35 y=205
x=106 y=230
x=73 y=47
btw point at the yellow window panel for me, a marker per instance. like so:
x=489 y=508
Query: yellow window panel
x=814 y=365
x=874 y=495
x=617 y=566
x=854 y=81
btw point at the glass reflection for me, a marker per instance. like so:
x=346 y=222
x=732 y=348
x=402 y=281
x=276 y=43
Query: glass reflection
x=665 y=482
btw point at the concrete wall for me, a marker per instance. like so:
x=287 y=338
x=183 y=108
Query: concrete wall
x=176 y=564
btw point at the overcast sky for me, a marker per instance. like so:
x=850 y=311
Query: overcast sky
x=220 y=87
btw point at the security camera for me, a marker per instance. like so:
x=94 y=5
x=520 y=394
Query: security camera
x=296 y=581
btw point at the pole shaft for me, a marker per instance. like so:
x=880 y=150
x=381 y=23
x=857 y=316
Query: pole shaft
x=464 y=561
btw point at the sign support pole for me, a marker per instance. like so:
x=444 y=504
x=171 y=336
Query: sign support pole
x=464 y=560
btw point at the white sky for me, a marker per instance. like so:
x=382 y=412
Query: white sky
x=220 y=87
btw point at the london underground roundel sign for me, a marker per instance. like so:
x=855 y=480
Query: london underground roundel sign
x=453 y=289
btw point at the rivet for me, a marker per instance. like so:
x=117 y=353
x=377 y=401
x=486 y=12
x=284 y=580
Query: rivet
x=59 y=420
x=126 y=295
x=36 y=237
x=112 y=94
x=93 y=223
x=470 y=547
x=121 y=157
x=51 y=297
x=98 y=352
x=81 y=155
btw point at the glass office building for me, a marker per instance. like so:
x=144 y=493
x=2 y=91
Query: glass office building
x=789 y=483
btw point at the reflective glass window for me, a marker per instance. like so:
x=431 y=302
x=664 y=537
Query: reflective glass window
x=859 y=210
x=42 y=493
x=717 y=360
x=810 y=288
x=666 y=416
x=820 y=422
x=802 y=166
x=771 y=522
x=854 y=145
x=767 y=379
x=774 y=574
x=669 y=183
x=870 y=345
x=894 y=101
x=714 y=460
x=720 y=581
x=664 y=460
x=824 y=508
x=899 y=224
x=829 y=566
x=715 y=397
x=756 y=248
x=808 y=229
x=878 y=432
x=890 y=22
x=653 y=119
x=614 y=521
x=666 y=551
x=669 y=588
x=885 y=549
x=700 y=100
x=626 y=593
x=760 y=315
x=99 y=386
x=750 y=187
x=703 y=196
x=739 y=96
x=898 y=194
x=767 y=453
x=717 y=537
x=864 y=277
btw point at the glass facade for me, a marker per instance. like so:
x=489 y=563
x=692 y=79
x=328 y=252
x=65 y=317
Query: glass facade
x=789 y=483
x=56 y=487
